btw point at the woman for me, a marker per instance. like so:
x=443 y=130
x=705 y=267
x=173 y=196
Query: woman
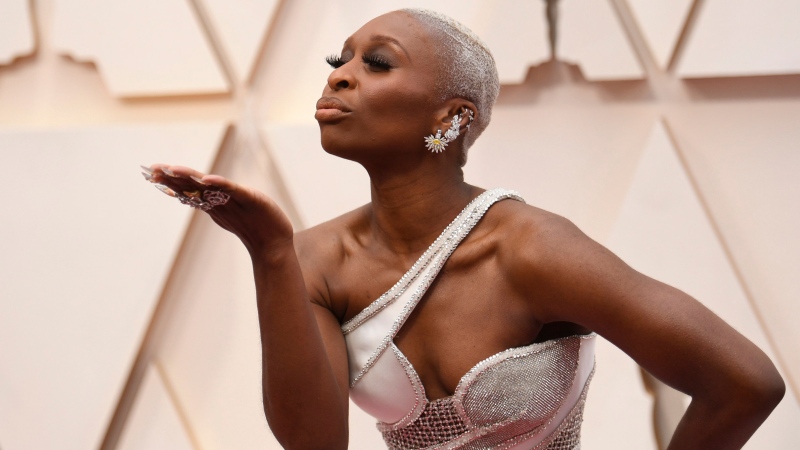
x=486 y=341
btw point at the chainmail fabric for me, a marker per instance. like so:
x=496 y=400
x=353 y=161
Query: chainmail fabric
x=439 y=423
x=503 y=401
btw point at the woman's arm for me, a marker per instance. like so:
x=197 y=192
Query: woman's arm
x=304 y=358
x=733 y=384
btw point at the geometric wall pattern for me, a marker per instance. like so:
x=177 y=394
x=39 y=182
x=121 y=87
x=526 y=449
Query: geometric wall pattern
x=743 y=37
x=154 y=422
x=745 y=162
x=621 y=409
x=129 y=322
x=664 y=232
x=133 y=62
x=591 y=37
x=240 y=27
x=16 y=36
x=85 y=254
x=661 y=23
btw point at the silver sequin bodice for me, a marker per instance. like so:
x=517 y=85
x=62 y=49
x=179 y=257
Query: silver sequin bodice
x=522 y=398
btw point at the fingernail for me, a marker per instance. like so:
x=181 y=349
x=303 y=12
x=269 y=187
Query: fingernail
x=167 y=172
x=192 y=194
x=197 y=180
x=147 y=170
x=166 y=190
x=148 y=177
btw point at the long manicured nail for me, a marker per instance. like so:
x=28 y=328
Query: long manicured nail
x=197 y=180
x=168 y=172
x=166 y=190
x=148 y=177
x=147 y=170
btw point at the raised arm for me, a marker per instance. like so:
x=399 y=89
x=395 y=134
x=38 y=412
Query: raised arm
x=304 y=360
x=733 y=384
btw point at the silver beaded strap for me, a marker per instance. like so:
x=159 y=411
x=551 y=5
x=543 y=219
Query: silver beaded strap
x=463 y=224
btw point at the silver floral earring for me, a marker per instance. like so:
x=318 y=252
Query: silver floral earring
x=437 y=143
x=471 y=118
x=455 y=128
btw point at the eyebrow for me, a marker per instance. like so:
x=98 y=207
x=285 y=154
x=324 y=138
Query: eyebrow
x=382 y=38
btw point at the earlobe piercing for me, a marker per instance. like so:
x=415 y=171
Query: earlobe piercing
x=437 y=143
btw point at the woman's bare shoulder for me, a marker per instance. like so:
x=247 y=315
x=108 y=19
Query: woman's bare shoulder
x=515 y=221
x=321 y=249
x=327 y=239
x=536 y=247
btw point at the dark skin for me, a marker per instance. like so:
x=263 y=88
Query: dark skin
x=523 y=274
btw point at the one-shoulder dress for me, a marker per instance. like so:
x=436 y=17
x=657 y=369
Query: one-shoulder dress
x=529 y=397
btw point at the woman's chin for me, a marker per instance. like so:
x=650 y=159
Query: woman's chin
x=339 y=150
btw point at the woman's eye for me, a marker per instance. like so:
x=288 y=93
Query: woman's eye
x=335 y=61
x=376 y=62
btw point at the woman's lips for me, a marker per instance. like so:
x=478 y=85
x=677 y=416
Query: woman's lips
x=329 y=114
x=330 y=109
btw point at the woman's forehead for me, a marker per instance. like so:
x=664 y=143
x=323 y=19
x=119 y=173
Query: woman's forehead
x=397 y=27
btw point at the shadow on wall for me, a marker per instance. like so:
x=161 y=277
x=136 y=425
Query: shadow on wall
x=554 y=75
x=744 y=88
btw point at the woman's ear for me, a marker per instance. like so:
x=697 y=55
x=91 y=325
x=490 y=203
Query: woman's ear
x=464 y=109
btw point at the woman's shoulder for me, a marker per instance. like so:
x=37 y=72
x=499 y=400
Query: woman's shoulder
x=329 y=241
x=527 y=235
x=517 y=220
x=323 y=250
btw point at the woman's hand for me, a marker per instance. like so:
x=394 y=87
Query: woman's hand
x=252 y=216
x=304 y=356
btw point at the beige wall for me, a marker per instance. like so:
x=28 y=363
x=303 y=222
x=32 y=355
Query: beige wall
x=666 y=130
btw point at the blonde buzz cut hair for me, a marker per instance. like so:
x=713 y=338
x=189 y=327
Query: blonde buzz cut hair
x=468 y=69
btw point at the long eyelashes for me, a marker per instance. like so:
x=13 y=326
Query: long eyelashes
x=334 y=61
x=374 y=61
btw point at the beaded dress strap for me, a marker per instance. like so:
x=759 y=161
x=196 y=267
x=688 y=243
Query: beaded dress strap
x=411 y=275
x=422 y=274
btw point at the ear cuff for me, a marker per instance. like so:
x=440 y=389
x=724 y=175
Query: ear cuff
x=437 y=143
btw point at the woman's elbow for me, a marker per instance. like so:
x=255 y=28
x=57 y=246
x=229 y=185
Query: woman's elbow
x=773 y=388
x=317 y=439
x=330 y=432
x=762 y=391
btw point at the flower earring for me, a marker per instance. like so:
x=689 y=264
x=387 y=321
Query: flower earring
x=437 y=143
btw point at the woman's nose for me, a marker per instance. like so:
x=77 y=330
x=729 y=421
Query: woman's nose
x=342 y=77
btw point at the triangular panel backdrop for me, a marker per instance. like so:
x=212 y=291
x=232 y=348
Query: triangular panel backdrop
x=667 y=132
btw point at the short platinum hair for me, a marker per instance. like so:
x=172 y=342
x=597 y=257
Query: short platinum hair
x=468 y=69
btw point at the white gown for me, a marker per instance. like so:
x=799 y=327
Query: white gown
x=527 y=397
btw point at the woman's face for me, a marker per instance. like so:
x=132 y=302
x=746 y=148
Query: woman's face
x=380 y=99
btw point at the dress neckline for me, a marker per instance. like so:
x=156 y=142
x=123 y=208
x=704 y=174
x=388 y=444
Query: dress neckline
x=404 y=296
x=496 y=358
x=393 y=292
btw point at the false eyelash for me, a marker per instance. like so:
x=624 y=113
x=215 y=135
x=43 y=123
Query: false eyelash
x=334 y=61
x=376 y=61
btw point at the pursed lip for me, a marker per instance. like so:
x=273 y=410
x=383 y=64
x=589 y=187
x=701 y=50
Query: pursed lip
x=331 y=109
x=332 y=103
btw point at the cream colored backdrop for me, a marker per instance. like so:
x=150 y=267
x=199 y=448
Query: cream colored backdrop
x=667 y=130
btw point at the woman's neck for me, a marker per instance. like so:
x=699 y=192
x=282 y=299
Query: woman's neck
x=409 y=210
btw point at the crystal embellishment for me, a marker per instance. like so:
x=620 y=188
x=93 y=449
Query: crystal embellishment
x=436 y=144
x=529 y=396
